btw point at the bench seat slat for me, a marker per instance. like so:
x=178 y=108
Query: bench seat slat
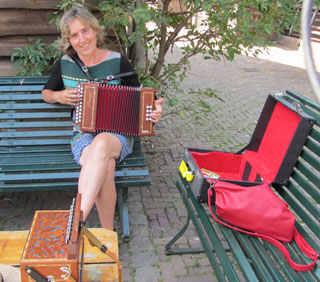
x=33 y=142
x=267 y=262
x=47 y=149
x=7 y=163
x=52 y=159
x=236 y=246
x=72 y=185
x=50 y=156
x=255 y=254
x=35 y=167
x=56 y=159
x=58 y=165
x=35 y=134
x=33 y=156
x=282 y=263
x=65 y=175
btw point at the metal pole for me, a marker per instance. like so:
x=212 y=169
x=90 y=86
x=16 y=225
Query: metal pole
x=306 y=40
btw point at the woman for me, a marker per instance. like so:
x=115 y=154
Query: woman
x=97 y=154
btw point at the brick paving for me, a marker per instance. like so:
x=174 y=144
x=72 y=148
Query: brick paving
x=157 y=212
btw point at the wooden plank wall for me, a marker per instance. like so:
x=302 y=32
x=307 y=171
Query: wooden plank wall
x=315 y=31
x=22 y=21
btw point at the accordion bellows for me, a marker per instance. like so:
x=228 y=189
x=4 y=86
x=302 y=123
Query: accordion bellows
x=115 y=108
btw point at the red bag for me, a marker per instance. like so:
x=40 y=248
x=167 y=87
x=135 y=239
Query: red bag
x=260 y=210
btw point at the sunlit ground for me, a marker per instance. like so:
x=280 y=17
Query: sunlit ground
x=291 y=57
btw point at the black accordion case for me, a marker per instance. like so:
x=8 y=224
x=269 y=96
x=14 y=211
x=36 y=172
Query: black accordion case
x=269 y=157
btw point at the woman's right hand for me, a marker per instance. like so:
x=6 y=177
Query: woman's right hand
x=67 y=96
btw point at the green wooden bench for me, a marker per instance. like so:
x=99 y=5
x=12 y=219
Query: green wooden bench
x=237 y=257
x=35 y=152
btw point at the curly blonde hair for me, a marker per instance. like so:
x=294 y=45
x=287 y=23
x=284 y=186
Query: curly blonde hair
x=81 y=13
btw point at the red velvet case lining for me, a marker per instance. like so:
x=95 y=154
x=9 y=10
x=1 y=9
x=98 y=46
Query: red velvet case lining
x=266 y=161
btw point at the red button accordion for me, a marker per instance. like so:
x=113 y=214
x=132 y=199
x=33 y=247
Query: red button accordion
x=115 y=108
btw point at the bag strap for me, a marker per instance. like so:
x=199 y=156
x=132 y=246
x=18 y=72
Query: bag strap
x=301 y=242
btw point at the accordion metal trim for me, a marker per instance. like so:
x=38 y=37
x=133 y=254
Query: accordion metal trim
x=115 y=108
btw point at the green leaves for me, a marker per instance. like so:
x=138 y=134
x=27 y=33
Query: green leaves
x=34 y=59
x=216 y=29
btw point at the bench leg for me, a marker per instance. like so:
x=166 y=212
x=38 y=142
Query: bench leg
x=181 y=251
x=122 y=202
x=208 y=236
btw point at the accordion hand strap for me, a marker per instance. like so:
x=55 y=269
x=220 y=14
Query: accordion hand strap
x=301 y=242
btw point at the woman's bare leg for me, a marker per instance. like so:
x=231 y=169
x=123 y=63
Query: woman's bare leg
x=96 y=180
x=106 y=199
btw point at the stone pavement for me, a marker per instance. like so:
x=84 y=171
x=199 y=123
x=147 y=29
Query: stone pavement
x=157 y=212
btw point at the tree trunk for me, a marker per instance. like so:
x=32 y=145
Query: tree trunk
x=140 y=51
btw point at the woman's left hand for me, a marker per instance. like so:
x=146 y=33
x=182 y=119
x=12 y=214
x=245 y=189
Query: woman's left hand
x=157 y=112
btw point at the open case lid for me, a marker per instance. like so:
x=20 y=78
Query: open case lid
x=277 y=140
x=272 y=152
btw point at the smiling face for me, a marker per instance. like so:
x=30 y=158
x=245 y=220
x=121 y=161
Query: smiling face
x=83 y=38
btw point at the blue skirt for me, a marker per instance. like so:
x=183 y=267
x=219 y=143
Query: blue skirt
x=81 y=140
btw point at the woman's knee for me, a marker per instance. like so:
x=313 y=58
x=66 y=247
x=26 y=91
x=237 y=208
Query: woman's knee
x=105 y=145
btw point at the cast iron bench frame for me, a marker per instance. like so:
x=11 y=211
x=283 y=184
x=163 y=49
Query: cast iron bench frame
x=235 y=256
x=35 y=153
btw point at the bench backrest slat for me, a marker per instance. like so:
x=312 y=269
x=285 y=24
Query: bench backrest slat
x=36 y=134
x=26 y=80
x=308 y=154
x=5 y=97
x=308 y=173
x=303 y=194
x=35 y=115
x=35 y=124
x=26 y=120
x=21 y=88
x=33 y=106
x=34 y=142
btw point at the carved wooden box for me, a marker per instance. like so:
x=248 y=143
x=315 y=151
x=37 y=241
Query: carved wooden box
x=47 y=251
